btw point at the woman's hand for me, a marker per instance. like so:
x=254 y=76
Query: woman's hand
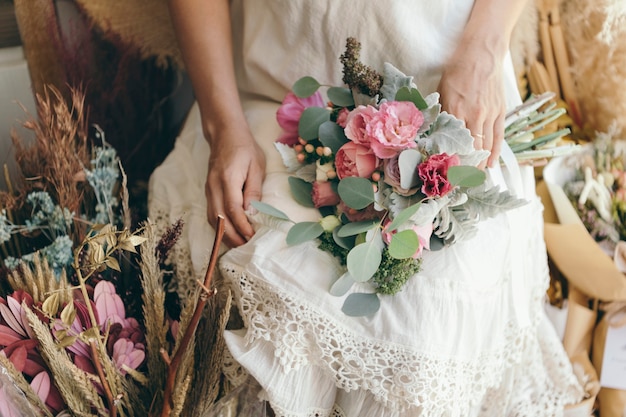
x=472 y=89
x=235 y=178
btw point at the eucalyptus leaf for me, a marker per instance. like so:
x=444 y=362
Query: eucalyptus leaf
x=305 y=87
x=363 y=261
x=269 y=210
x=310 y=122
x=404 y=244
x=403 y=216
x=341 y=97
x=301 y=191
x=356 y=192
x=342 y=285
x=466 y=176
x=360 y=304
x=346 y=242
x=413 y=95
x=352 y=229
x=303 y=232
x=332 y=135
x=408 y=160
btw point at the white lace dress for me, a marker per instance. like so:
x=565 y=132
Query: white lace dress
x=467 y=336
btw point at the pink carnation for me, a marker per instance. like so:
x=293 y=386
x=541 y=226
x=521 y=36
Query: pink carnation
x=323 y=194
x=394 y=128
x=289 y=112
x=434 y=174
x=355 y=160
x=342 y=117
x=357 y=123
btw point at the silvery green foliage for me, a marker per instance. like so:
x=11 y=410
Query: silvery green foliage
x=361 y=99
x=449 y=134
x=431 y=113
x=394 y=79
x=489 y=202
x=289 y=156
x=458 y=220
x=103 y=177
x=455 y=223
x=5 y=227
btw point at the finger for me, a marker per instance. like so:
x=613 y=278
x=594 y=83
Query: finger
x=252 y=190
x=234 y=210
x=498 y=139
x=215 y=207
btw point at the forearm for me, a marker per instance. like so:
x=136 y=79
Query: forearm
x=490 y=25
x=204 y=36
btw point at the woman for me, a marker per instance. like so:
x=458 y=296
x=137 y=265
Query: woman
x=466 y=336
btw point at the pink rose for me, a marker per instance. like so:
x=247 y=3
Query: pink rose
x=423 y=235
x=354 y=160
x=323 y=194
x=342 y=117
x=289 y=112
x=434 y=174
x=394 y=128
x=392 y=177
x=357 y=123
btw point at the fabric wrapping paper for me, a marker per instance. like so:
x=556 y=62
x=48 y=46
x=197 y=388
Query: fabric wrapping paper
x=612 y=402
x=577 y=341
x=580 y=323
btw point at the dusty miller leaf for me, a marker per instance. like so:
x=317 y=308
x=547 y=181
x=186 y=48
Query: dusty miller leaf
x=394 y=80
x=448 y=134
x=489 y=202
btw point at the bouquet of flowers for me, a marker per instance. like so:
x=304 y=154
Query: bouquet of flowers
x=85 y=328
x=391 y=174
x=597 y=190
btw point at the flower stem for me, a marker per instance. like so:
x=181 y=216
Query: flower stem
x=203 y=297
x=103 y=379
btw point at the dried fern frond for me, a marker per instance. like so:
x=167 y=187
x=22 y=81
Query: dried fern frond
x=186 y=369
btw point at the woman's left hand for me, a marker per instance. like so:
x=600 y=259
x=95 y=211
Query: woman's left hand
x=472 y=89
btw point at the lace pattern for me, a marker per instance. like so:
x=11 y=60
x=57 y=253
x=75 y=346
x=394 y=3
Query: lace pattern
x=399 y=378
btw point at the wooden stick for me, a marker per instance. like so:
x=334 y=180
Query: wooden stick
x=172 y=369
x=563 y=65
x=548 y=53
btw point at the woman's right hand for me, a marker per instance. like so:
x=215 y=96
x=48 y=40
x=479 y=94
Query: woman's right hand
x=235 y=178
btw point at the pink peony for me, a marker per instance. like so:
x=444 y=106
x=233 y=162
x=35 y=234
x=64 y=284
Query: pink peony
x=423 y=235
x=354 y=160
x=394 y=128
x=434 y=174
x=289 y=112
x=357 y=124
x=323 y=194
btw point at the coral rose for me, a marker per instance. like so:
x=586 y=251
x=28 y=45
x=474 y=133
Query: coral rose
x=354 y=160
x=434 y=174
x=289 y=113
